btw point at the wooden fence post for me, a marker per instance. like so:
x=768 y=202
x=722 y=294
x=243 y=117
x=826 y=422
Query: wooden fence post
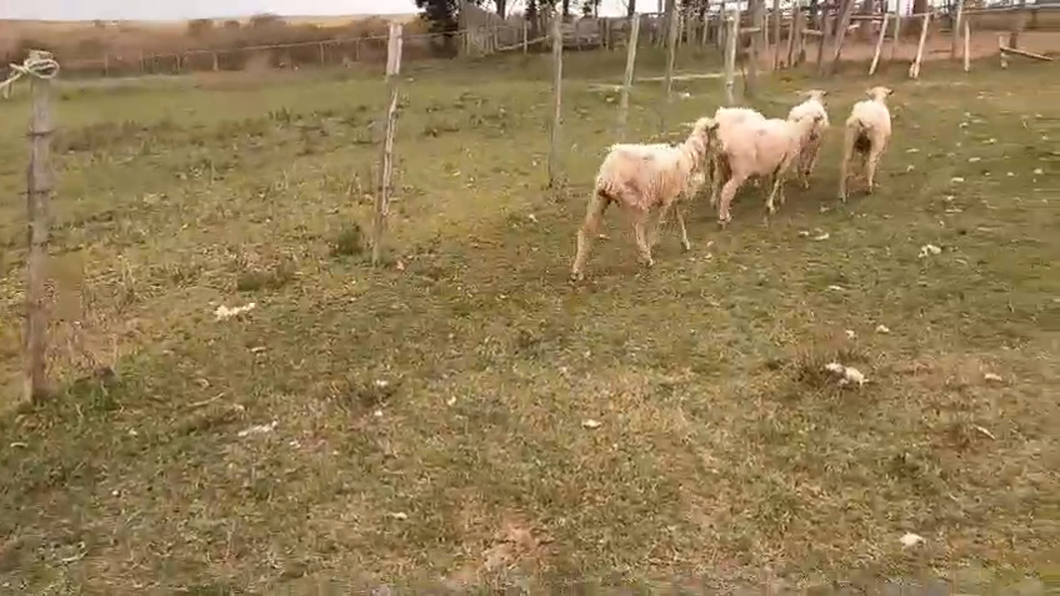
x=554 y=167
x=967 y=46
x=776 y=34
x=841 y=34
x=627 y=80
x=216 y=64
x=40 y=68
x=671 y=53
x=879 y=45
x=914 y=68
x=730 y=57
x=796 y=21
x=382 y=199
x=897 y=32
x=1001 y=51
x=955 y=42
x=750 y=82
x=322 y=61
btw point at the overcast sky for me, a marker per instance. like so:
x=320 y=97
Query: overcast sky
x=84 y=10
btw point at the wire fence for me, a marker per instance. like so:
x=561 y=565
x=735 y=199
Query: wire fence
x=504 y=36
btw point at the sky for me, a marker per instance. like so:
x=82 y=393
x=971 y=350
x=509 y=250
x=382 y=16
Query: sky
x=87 y=10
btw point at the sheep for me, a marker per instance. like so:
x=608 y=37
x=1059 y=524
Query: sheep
x=768 y=148
x=729 y=121
x=640 y=178
x=868 y=130
x=814 y=104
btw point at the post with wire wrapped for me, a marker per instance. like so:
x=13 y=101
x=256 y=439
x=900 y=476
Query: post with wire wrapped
x=41 y=68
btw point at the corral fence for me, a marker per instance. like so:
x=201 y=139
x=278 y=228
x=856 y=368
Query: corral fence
x=483 y=33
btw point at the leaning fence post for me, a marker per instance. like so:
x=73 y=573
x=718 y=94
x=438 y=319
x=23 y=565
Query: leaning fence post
x=382 y=198
x=40 y=67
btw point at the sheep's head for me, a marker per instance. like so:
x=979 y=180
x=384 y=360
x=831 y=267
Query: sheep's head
x=879 y=93
x=818 y=94
x=704 y=136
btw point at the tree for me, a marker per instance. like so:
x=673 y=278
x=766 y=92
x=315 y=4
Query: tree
x=441 y=16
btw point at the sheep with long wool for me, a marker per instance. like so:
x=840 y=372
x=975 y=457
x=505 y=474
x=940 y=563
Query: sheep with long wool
x=642 y=178
x=867 y=134
x=813 y=105
x=768 y=148
x=730 y=122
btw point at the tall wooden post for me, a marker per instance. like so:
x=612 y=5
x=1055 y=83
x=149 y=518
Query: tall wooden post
x=956 y=41
x=914 y=68
x=671 y=52
x=627 y=80
x=841 y=34
x=731 y=39
x=382 y=199
x=879 y=44
x=38 y=206
x=757 y=35
x=554 y=157
x=776 y=34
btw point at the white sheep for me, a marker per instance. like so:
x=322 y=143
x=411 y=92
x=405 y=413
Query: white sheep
x=729 y=120
x=813 y=105
x=868 y=130
x=768 y=148
x=641 y=178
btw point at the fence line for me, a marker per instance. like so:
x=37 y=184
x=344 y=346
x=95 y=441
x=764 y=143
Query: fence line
x=603 y=32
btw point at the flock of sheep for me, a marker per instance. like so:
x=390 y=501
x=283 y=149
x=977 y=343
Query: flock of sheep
x=736 y=144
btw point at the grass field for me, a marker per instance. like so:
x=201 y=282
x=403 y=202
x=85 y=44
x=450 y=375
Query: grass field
x=428 y=419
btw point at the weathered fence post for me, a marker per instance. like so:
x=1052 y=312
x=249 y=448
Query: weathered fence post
x=914 y=68
x=40 y=67
x=730 y=56
x=967 y=46
x=897 y=31
x=627 y=81
x=879 y=44
x=554 y=166
x=322 y=61
x=382 y=198
x=776 y=34
x=957 y=20
x=671 y=53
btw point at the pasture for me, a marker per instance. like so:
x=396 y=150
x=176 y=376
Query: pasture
x=465 y=415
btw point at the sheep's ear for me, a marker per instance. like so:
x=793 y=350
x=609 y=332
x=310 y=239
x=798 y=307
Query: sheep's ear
x=888 y=90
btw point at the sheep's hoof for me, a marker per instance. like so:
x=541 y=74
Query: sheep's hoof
x=870 y=189
x=577 y=276
x=686 y=246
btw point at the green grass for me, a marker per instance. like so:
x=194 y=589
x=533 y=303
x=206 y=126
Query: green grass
x=429 y=416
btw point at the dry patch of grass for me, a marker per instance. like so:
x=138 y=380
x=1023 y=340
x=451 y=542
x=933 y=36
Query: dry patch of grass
x=429 y=424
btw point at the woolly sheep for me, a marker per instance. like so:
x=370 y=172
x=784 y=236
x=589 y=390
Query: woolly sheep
x=868 y=130
x=765 y=149
x=640 y=178
x=813 y=105
x=730 y=121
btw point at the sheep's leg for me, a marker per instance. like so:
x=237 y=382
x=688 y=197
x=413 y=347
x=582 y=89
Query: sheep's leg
x=815 y=150
x=870 y=168
x=727 y=193
x=685 y=244
x=595 y=211
x=640 y=219
x=653 y=234
x=778 y=183
x=848 y=148
x=715 y=179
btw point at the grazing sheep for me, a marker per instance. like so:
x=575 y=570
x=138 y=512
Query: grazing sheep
x=868 y=130
x=768 y=148
x=640 y=178
x=814 y=105
x=729 y=120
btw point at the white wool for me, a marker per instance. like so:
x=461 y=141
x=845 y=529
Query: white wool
x=811 y=107
x=871 y=115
